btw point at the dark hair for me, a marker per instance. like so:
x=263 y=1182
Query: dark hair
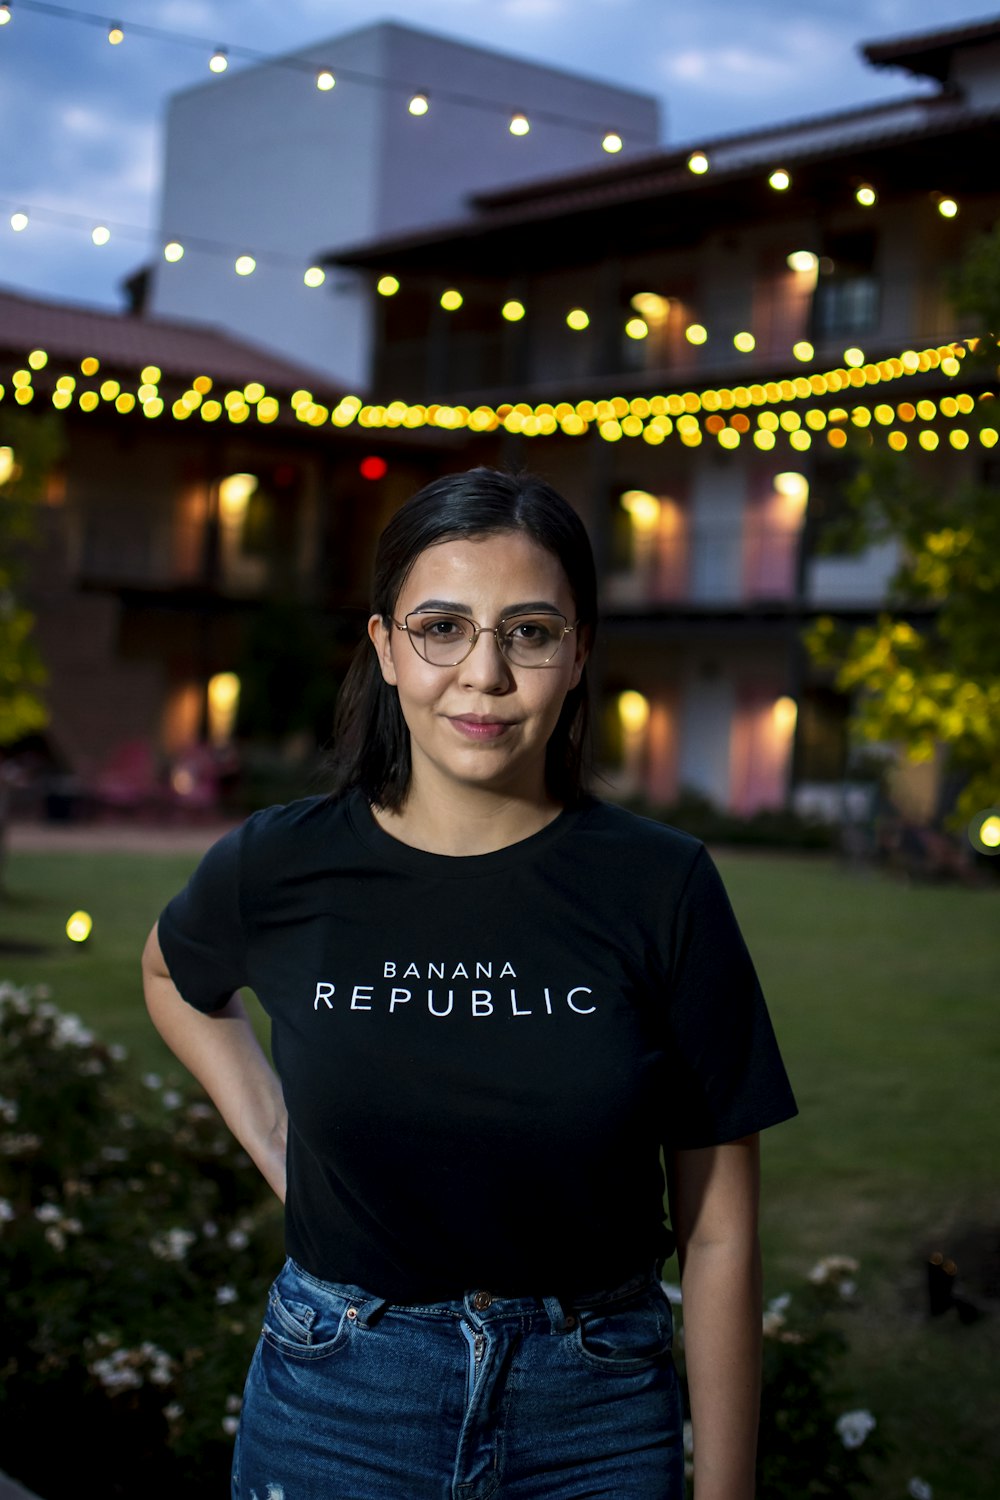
x=371 y=743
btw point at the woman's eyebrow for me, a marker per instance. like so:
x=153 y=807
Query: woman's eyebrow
x=449 y=606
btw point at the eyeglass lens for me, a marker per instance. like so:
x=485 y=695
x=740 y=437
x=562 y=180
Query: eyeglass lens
x=525 y=640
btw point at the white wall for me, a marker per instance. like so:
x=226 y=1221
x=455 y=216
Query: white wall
x=262 y=161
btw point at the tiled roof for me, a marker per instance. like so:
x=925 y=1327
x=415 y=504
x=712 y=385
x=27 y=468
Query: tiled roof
x=929 y=52
x=68 y=331
x=734 y=159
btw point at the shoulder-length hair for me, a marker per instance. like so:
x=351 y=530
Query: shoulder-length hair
x=371 y=743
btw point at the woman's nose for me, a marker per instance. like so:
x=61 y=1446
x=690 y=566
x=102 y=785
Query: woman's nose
x=486 y=667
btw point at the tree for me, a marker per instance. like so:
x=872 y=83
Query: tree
x=933 y=679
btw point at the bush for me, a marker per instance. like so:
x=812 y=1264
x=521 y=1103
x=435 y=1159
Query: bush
x=136 y=1245
x=770 y=828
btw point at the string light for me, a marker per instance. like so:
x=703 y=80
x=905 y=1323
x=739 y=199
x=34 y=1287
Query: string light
x=325 y=80
x=866 y=195
x=245 y=265
x=315 y=276
x=577 y=319
x=173 y=251
x=219 y=61
x=802 y=261
x=780 y=180
x=451 y=300
x=419 y=104
x=513 y=311
x=18 y=222
x=387 y=286
x=745 y=342
x=5 y=15
x=947 y=208
x=115 y=34
x=637 y=328
x=612 y=142
x=100 y=234
x=698 y=163
x=519 y=124
x=696 y=333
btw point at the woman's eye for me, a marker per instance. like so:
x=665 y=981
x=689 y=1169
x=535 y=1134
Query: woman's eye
x=531 y=633
x=441 y=629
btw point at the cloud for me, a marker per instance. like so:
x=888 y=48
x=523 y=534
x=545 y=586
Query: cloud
x=784 y=59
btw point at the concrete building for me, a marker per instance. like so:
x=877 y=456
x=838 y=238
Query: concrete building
x=264 y=162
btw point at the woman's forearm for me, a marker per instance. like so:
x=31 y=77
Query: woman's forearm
x=223 y=1054
x=722 y=1352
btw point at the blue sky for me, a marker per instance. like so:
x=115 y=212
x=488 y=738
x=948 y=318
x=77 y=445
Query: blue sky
x=81 y=121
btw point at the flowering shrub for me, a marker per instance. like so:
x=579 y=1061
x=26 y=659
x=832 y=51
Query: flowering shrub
x=812 y=1447
x=136 y=1244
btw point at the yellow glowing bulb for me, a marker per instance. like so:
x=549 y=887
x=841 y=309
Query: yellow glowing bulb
x=173 y=251
x=854 y=357
x=218 y=62
x=79 y=927
x=698 y=163
x=989 y=832
x=633 y=711
x=577 y=319
x=643 y=508
x=696 y=333
x=4 y=14
x=325 y=80
x=245 y=265
x=151 y=374
x=637 y=328
x=519 y=124
x=101 y=234
x=419 y=104
x=802 y=260
x=18 y=222
x=6 y=464
x=513 y=311
x=387 y=286
x=451 y=300
x=115 y=35
x=90 y=365
x=315 y=276
x=947 y=208
x=38 y=359
x=785 y=713
x=803 y=350
x=866 y=196
x=612 y=142
x=745 y=342
x=780 y=180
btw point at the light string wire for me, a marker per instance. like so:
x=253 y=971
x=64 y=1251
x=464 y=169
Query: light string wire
x=688 y=416
x=311 y=69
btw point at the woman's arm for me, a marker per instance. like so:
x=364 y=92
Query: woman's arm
x=713 y=1209
x=223 y=1053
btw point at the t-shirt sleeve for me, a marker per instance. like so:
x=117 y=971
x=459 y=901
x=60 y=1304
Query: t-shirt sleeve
x=727 y=1076
x=201 y=932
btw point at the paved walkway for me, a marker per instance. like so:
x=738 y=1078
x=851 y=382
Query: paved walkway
x=130 y=838
x=11 y=1490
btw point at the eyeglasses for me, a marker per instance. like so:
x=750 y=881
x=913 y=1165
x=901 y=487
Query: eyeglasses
x=525 y=640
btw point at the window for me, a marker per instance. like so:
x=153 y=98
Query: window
x=846 y=300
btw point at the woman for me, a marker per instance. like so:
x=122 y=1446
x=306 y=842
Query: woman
x=492 y=999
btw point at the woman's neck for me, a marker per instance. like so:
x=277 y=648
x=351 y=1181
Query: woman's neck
x=443 y=821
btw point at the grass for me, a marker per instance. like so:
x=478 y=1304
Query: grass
x=884 y=996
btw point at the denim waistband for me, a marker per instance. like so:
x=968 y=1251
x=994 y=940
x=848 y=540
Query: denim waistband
x=482 y=1304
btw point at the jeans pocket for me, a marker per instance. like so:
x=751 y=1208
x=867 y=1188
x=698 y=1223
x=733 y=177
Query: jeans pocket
x=305 y=1320
x=630 y=1335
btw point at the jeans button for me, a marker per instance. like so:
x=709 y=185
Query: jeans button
x=569 y=1323
x=481 y=1301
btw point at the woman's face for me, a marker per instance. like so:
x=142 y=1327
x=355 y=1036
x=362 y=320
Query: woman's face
x=482 y=723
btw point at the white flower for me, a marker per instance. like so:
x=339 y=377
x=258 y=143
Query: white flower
x=117 y=1052
x=919 y=1489
x=6 y=1211
x=230 y=1425
x=152 y=1080
x=847 y=1288
x=853 y=1427
x=8 y=1111
x=55 y=1237
x=832 y=1268
x=671 y=1292
x=174 y=1411
x=70 y=1031
x=237 y=1239
x=225 y=1295
x=172 y=1099
x=48 y=1213
x=234 y=1403
x=173 y=1245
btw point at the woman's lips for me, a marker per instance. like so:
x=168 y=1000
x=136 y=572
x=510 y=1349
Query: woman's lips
x=475 y=728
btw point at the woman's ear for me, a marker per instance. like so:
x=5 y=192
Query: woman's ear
x=380 y=635
x=582 y=640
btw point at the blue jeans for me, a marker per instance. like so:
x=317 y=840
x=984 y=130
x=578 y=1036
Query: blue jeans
x=350 y=1397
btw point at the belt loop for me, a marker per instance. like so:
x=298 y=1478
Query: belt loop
x=365 y=1313
x=560 y=1321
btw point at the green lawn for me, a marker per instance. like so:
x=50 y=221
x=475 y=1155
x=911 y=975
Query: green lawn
x=885 y=997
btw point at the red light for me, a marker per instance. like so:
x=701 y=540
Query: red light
x=373 y=468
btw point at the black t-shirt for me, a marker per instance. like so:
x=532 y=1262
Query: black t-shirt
x=482 y=1055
